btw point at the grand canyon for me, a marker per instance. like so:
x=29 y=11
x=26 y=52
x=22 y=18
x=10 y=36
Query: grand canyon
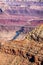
x=21 y=32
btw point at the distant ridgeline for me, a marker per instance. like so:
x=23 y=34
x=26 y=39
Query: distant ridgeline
x=26 y=0
x=22 y=7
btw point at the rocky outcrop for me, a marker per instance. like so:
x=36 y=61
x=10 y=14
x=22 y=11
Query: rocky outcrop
x=26 y=52
x=36 y=34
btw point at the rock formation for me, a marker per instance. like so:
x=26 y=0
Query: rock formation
x=24 y=52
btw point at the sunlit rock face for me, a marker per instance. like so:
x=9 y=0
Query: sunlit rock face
x=36 y=34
